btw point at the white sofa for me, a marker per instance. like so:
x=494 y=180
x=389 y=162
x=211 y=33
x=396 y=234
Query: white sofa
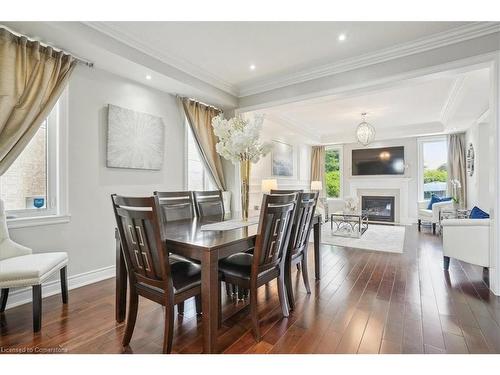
x=431 y=216
x=467 y=240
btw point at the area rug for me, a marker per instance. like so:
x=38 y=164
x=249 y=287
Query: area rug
x=389 y=238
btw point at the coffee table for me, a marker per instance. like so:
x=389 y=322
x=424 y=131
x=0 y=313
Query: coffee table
x=348 y=225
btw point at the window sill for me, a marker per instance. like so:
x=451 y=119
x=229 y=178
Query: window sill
x=23 y=222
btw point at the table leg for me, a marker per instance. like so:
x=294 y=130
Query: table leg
x=121 y=282
x=210 y=300
x=317 y=256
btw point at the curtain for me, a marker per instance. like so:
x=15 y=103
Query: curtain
x=200 y=117
x=457 y=166
x=32 y=77
x=318 y=167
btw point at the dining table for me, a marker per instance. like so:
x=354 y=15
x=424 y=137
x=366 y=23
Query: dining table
x=191 y=238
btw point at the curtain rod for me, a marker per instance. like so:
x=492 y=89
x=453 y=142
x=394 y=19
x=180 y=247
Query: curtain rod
x=79 y=60
x=199 y=101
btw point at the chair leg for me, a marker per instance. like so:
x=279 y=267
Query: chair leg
x=446 y=263
x=133 y=304
x=305 y=275
x=3 y=299
x=298 y=267
x=282 y=296
x=197 y=300
x=433 y=228
x=254 y=313
x=37 y=307
x=180 y=308
x=64 y=284
x=419 y=224
x=168 y=334
x=288 y=284
x=229 y=291
x=219 y=320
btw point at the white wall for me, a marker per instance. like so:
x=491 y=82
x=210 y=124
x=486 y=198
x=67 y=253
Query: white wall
x=89 y=236
x=478 y=184
x=410 y=177
x=272 y=130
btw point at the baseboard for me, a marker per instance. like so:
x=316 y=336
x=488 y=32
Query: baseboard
x=21 y=296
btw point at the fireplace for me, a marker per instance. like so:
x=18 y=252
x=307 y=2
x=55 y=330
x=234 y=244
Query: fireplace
x=378 y=208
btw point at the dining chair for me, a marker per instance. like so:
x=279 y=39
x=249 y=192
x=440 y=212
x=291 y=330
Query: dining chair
x=250 y=271
x=176 y=205
x=209 y=203
x=151 y=272
x=299 y=241
x=284 y=191
x=19 y=268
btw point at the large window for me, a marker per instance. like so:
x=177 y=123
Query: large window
x=333 y=172
x=29 y=187
x=433 y=173
x=198 y=177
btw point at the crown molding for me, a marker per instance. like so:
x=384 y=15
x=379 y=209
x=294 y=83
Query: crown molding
x=455 y=35
x=293 y=126
x=450 y=105
x=178 y=63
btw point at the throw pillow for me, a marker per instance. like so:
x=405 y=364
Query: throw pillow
x=436 y=199
x=477 y=213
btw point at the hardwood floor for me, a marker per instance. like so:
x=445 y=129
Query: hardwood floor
x=366 y=302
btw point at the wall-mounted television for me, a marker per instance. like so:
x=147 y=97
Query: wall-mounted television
x=378 y=161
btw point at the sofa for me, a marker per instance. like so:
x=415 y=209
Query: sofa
x=431 y=216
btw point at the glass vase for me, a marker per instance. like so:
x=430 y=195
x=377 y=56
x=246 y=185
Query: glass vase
x=245 y=186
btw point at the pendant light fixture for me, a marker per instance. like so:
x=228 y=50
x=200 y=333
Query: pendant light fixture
x=365 y=133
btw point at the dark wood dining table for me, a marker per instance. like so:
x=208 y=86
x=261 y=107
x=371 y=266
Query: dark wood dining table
x=185 y=237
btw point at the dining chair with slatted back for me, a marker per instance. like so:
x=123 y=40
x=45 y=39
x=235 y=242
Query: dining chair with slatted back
x=208 y=203
x=286 y=191
x=151 y=274
x=299 y=241
x=176 y=205
x=250 y=271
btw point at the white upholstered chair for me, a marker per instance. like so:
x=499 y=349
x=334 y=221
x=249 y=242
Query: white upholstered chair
x=431 y=216
x=20 y=268
x=467 y=240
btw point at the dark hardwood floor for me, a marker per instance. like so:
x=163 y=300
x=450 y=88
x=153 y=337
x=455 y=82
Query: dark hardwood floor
x=366 y=302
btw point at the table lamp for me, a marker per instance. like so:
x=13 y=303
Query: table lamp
x=268 y=185
x=316 y=185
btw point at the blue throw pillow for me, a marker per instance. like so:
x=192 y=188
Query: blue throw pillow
x=436 y=199
x=477 y=213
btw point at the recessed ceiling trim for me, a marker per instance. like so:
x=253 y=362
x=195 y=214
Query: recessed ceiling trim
x=181 y=64
x=450 y=105
x=456 y=35
x=293 y=125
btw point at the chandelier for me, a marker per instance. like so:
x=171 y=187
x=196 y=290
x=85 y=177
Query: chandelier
x=365 y=132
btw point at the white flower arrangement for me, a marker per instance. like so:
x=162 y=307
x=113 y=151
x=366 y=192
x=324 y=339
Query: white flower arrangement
x=239 y=138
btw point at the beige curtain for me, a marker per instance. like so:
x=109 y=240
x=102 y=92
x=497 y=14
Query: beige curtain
x=200 y=120
x=32 y=77
x=457 y=168
x=318 y=167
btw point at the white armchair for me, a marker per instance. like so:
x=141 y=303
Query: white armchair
x=431 y=216
x=20 y=268
x=467 y=240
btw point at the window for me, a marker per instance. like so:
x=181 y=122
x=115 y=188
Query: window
x=198 y=177
x=333 y=172
x=29 y=188
x=433 y=175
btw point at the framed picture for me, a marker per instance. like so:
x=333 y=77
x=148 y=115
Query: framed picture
x=282 y=159
x=135 y=139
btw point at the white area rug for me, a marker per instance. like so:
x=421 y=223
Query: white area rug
x=377 y=237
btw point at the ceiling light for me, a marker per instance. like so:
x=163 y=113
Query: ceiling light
x=252 y=67
x=365 y=132
x=148 y=77
x=341 y=37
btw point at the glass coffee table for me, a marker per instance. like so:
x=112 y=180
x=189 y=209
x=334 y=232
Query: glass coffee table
x=348 y=225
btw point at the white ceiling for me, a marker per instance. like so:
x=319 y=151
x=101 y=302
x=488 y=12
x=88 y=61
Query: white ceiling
x=446 y=103
x=221 y=52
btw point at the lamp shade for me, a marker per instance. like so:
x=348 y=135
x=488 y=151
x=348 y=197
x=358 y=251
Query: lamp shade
x=268 y=185
x=316 y=185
